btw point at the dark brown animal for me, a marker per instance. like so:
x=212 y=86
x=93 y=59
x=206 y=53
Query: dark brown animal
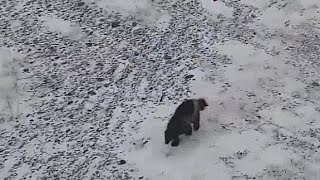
x=187 y=113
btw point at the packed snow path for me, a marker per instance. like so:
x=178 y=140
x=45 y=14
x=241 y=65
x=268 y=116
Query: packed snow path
x=87 y=88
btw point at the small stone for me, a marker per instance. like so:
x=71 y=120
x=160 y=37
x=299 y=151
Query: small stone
x=100 y=79
x=189 y=76
x=100 y=64
x=166 y=57
x=134 y=24
x=70 y=93
x=26 y=70
x=141 y=177
x=115 y=24
x=121 y=162
x=315 y=84
x=92 y=93
x=89 y=44
x=81 y=4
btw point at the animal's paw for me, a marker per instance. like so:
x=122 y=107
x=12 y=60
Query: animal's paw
x=189 y=133
x=175 y=142
x=196 y=127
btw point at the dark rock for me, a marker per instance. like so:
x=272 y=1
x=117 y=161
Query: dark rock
x=136 y=53
x=92 y=93
x=189 y=76
x=134 y=24
x=26 y=70
x=166 y=57
x=121 y=162
x=81 y=4
x=100 y=79
x=141 y=177
x=70 y=93
x=100 y=64
x=115 y=24
x=89 y=44
x=315 y=84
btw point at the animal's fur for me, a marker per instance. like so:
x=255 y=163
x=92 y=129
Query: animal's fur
x=180 y=123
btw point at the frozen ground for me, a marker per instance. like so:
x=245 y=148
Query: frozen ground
x=87 y=88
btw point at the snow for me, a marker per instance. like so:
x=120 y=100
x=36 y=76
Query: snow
x=144 y=10
x=213 y=150
x=289 y=13
x=216 y=8
x=195 y=159
x=87 y=89
x=125 y=6
x=9 y=106
x=66 y=28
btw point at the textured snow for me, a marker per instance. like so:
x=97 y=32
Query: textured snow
x=66 y=28
x=9 y=104
x=217 y=8
x=87 y=89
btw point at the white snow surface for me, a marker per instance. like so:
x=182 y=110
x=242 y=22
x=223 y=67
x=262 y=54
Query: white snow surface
x=9 y=103
x=102 y=87
x=66 y=28
x=226 y=146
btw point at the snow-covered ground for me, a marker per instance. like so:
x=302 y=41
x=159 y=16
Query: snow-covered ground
x=87 y=88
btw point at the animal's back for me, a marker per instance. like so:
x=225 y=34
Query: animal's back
x=183 y=112
x=185 y=108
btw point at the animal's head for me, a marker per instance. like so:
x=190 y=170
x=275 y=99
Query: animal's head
x=202 y=104
x=169 y=135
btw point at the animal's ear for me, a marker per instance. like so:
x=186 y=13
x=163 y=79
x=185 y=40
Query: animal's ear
x=205 y=103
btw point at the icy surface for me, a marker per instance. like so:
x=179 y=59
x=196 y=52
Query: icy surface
x=87 y=88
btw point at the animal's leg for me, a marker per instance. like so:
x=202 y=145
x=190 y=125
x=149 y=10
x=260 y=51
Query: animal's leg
x=188 y=129
x=175 y=141
x=196 y=122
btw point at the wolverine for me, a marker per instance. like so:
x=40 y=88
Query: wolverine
x=187 y=113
